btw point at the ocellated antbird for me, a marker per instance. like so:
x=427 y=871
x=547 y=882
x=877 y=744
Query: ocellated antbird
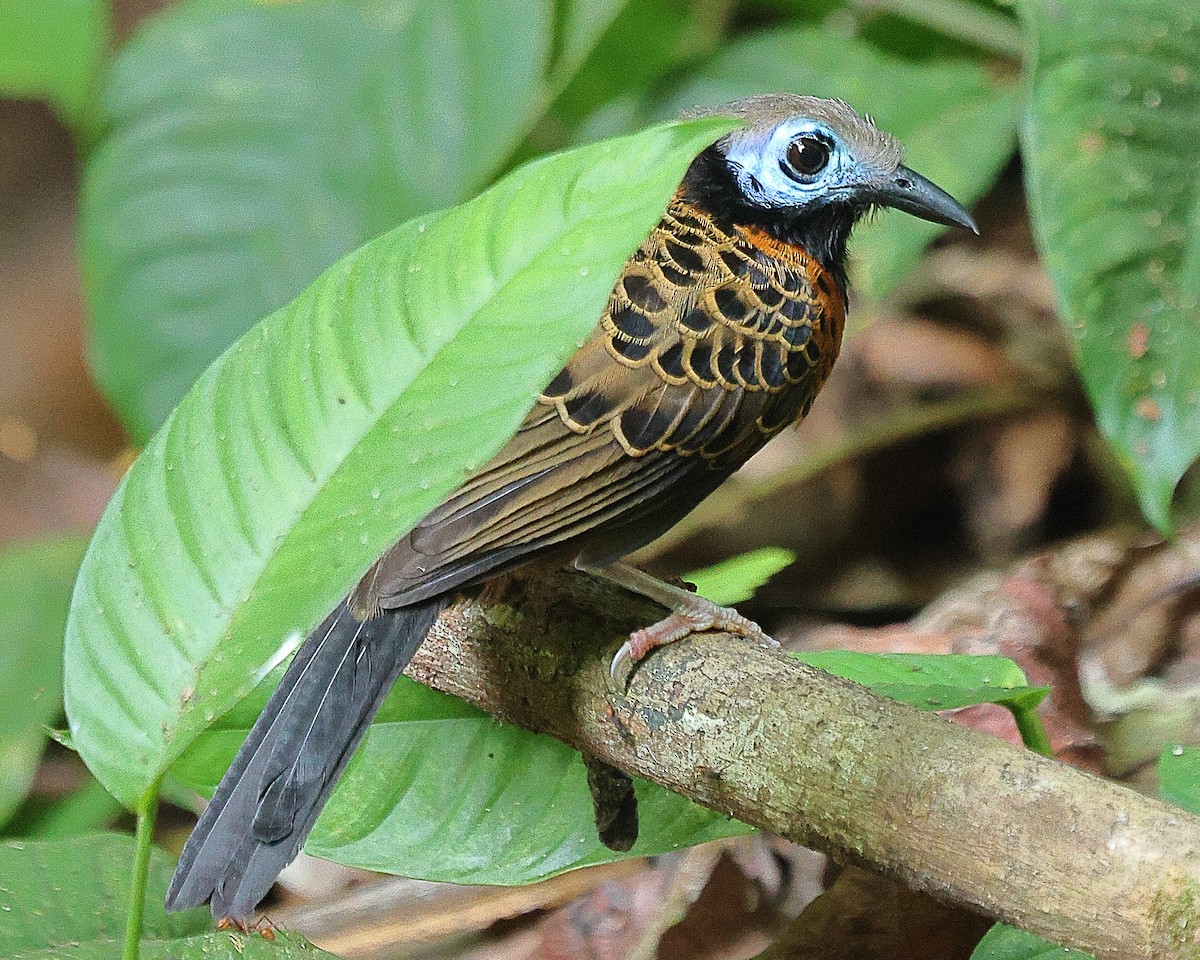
x=719 y=332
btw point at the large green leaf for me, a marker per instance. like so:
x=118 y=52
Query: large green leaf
x=249 y=146
x=59 y=892
x=442 y=791
x=932 y=681
x=223 y=944
x=51 y=50
x=1179 y=777
x=940 y=28
x=944 y=682
x=1114 y=185
x=956 y=122
x=327 y=431
x=35 y=588
x=86 y=809
x=584 y=23
x=645 y=43
x=69 y=899
x=1003 y=942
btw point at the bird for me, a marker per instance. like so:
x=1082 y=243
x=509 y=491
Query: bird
x=719 y=332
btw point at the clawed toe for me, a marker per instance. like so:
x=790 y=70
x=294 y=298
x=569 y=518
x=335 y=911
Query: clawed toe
x=620 y=671
x=689 y=614
x=698 y=616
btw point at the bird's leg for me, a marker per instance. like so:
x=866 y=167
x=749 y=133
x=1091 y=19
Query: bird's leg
x=690 y=613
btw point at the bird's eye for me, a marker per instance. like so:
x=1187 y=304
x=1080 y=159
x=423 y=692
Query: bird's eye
x=807 y=156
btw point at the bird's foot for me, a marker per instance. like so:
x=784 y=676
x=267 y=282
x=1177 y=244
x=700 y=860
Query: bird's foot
x=697 y=616
x=690 y=614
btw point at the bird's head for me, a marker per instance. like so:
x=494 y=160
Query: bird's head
x=806 y=169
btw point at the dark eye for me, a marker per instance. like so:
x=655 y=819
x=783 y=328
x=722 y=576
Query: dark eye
x=807 y=156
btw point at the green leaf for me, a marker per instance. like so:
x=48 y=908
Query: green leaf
x=249 y=145
x=736 y=580
x=68 y=899
x=54 y=893
x=442 y=791
x=1003 y=942
x=646 y=41
x=35 y=589
x=957 y=123
x=51 y=50
x=1179 y=777
x=1113 y=176
x=932 y=28
x=205 y=946
x=932 y=681
x=326 y=432
x=86 y=809
x=584 y=23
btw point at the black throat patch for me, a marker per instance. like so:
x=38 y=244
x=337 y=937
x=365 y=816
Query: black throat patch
x=821 y=233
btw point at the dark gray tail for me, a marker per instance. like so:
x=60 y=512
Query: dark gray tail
x=271 y=795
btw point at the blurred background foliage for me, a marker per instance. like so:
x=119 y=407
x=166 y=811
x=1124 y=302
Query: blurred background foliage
x=171 y=173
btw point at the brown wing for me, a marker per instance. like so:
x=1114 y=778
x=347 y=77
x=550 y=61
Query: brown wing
x=710 y=345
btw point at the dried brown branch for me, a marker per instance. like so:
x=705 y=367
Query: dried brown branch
x=824 y=762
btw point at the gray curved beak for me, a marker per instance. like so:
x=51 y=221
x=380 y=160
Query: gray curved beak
x=907 y=190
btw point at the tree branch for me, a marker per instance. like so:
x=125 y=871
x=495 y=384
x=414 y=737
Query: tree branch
x=822 y=761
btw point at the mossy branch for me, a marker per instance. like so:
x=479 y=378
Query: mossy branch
x=822 y=761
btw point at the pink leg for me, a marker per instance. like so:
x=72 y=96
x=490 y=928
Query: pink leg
x=690 y=614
